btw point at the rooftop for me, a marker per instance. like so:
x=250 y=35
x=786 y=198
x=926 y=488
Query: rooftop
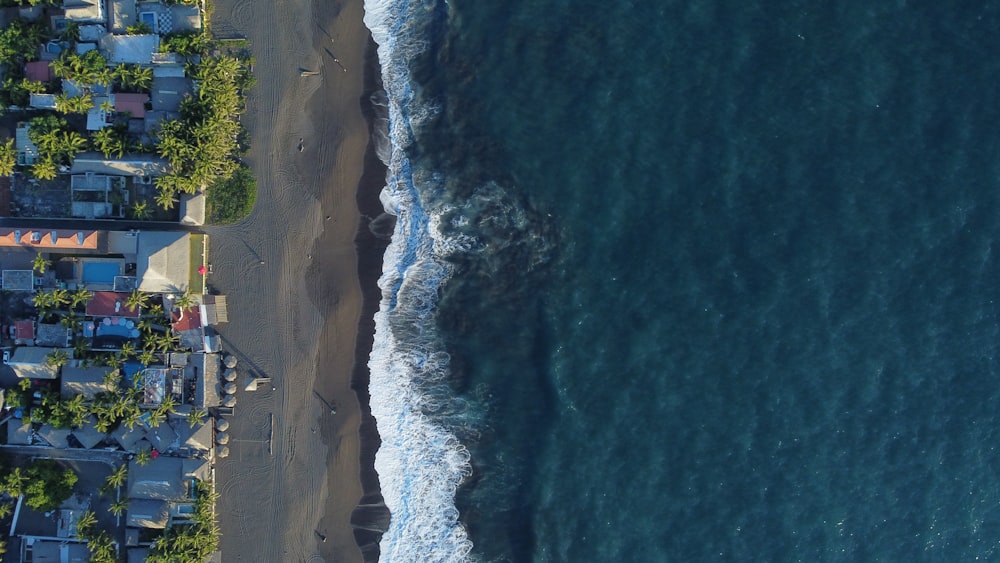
x=111 y=304
x=39 y=71
x=164 y=261
x=49 y=238
x=134 y=104
x=87 y=381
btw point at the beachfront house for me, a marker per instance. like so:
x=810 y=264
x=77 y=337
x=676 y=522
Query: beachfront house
x=163 y=263
x=163 y=490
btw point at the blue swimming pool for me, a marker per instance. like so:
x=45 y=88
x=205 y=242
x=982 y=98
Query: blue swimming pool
x=99 y=272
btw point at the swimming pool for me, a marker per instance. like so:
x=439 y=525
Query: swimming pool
x=100 y=272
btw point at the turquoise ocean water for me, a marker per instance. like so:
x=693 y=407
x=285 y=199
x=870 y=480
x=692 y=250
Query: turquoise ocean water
x=690 y=281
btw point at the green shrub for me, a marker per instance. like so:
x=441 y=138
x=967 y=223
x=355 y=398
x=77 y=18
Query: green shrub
x=231 y=200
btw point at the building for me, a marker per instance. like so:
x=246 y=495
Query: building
x=139 y=165
x=49 y=239
x=111 y=304
x=27 y=152
x=86 y=381
x=31 y=362
x=163 y=489
x=163 y=263
x=130 y=49
x=85 y=11
x=39 y=71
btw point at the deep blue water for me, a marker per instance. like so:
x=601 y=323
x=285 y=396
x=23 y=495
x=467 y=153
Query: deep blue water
x=690 y=281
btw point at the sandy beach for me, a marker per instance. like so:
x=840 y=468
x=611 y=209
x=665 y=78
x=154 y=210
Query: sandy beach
x=294 y=478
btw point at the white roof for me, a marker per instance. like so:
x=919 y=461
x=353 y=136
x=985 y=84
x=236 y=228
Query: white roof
x=193 y=209
x=134 y=49
x=84 y=10
x=132 y=165
x=163 y=262
x=97 y=118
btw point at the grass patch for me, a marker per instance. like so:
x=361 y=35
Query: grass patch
x=196 y=281
x=231 y=200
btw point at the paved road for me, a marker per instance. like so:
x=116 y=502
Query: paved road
x=95 y=224
x=112 y=457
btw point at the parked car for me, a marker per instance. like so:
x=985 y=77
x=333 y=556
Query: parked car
x=6 y=356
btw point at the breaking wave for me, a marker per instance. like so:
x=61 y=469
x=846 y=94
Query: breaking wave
x=420 y=462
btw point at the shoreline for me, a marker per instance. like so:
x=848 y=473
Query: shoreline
x=302 y=274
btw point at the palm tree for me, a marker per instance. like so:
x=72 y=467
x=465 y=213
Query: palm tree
x=147 y=357
x=128 y=350
x=131 y=417
x=57 y=358
x=15 y=482
x=117 y=477
x=195 y=416
x=39 y=263
x=141 y=211
x=137 y=299
x=85 y=523
x=143 y=457
x=156 y=418
x=44 y=168
x=8 y=158
x=80 y=297
x=112 y=379
x=119 y=506
x=109 y=142
x=184 y=301
x=142 y=77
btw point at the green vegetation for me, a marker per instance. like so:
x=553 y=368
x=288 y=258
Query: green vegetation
x=57 y=145
x=133 y=78
x=8 y=157
x=231 y=200
x=110 y=141
x=100 y=544
x=185 y=43
x=191 y=542
x=44 y=484
x=202 y=147
x=20 y=41
x=87 y=69
x=141 y=28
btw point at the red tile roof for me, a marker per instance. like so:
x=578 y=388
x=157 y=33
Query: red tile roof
x=191 y=320
x=24 y=330
x=132 y=103
x=38 y=71
x=102 y=304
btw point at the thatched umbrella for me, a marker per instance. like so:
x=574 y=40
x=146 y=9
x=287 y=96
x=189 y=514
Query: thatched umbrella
x=221 y=438
x=229 y=375
x=229 y=401
x=229 y=388
x=221 y=424
x=230 y=361
x=222 y=451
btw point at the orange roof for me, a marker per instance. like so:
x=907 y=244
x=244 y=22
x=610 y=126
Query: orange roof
x=110 y=304
x=56 y=238
x=191 y=320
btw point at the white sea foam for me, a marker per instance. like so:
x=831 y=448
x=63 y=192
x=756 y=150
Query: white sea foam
x=420 y=463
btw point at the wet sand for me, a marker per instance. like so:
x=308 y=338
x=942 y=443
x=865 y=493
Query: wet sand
x=294 y=477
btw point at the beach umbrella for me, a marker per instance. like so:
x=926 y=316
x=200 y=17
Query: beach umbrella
x=229 y=388
x=202 y=270
x=222 y=451
x=229 y=401
x=221 y=424
x=229 y=375
x=222 y=438
x=230 y=361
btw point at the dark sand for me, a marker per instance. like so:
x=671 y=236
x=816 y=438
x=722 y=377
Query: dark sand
x=297 y=307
